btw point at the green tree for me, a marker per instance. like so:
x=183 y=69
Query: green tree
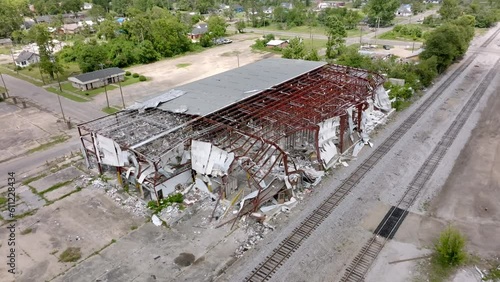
x=121 y=6
x=312 y=55
x=447 y=43
x=296 y=49
x=168 y=36
x=10 y=17
x=381 y=11
x=216 y=26
x=97 y=12
x=108 y=29
x=336 y=33
x=427 y=70
x=204 y=6
x=121 y=52
x=102 y=3
x=351 y=19
x=40 y=35
x=72 y=6
x=90 y=56
x=240 y=26
x=450 y=10
x=146 y=53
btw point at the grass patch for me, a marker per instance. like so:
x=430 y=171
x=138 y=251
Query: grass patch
x=315 y=30
x=133 y=227
x=110 y=110
x=10 y=71
x=66 y=95
x=71 y=254
x=56 y=186
x=5 y=50
x=3 y=200
x=26 y=231
x=480 y=31
x=130 y=80
x=184 y=65
x=55 y=140
x=87 y=93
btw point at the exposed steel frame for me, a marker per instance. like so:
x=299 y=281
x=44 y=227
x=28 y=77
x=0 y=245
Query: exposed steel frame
x=255 y=127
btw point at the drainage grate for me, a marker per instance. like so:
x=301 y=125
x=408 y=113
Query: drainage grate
x=391 y=222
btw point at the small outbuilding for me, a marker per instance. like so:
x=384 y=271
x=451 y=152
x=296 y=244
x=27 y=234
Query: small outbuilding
x=277 y=43
x=27 y=58
x=98 y=78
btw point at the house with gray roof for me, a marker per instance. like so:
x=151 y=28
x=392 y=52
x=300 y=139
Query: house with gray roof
x=197 y=31
x=5 y=42
x=27 y=58
x=98 y=78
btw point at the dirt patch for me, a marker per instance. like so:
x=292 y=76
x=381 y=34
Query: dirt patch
x=470 y=196
x=170 y=73
x=184 y=259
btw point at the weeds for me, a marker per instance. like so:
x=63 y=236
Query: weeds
x=71 y=254
x=175 y=198
x=450 y=248
x=26 y=231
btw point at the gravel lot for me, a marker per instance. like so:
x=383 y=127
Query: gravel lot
x=335 y=243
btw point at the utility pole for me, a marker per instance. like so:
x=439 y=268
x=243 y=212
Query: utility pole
x=105 y=81
x=14 y=61
x=121 y=93
x=378 y=26
x=360 y=36
x=60 y=89
x=4 y=86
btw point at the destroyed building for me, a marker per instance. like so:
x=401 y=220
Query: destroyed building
x=248 y=135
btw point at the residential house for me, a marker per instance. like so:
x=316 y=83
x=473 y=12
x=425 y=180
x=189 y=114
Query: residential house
x=404 y=10
x=197 y=31
x=70 y=28
x=87 y=6
x=43 y=19
x=238 y=8
x=269 y=10
x=277 y=43
x=26 y=58
x=98 y=78
x=5 y=42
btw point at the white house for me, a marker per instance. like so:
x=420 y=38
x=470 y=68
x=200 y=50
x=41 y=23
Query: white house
x=87 y=6
x=404 y=10
x=26 y=58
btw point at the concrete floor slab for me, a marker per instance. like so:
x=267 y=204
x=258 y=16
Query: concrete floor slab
x=63 y=175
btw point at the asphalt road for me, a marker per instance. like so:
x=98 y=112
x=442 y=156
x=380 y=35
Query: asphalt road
x=77 y=112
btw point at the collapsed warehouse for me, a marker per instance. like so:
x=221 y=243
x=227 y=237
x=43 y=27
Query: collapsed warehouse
x=252 y=134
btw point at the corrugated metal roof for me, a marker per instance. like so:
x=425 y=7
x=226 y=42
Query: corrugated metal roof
x=213 y=93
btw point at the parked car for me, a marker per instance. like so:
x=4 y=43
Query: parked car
x=220 y=41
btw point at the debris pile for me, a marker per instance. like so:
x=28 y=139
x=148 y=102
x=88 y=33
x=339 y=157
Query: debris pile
x=131 y=204
x=255 y=232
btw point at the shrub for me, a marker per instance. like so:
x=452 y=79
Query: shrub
x=142 y=78
x=450 y=247
x=127 y=73
x=174 y=198
x=135 y=75
x=71 y=254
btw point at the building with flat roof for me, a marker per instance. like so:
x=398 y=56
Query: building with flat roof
x=255 y=131
x=98 y=78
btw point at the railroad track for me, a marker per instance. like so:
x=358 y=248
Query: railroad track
x=490 y=39
x=363 y=261
x=291 y=243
